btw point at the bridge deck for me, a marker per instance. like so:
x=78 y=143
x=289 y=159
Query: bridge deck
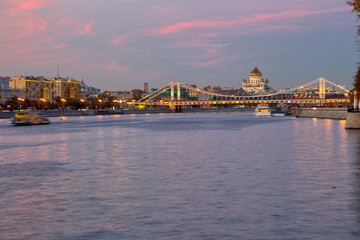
x=226 y=102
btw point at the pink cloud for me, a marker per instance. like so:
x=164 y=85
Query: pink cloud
x=118 y=40
x=167 y=9
x=274 y=27
x=34 y=4
x=60 y=46
x=209 y=49
x=195 y=43
x=284 y=15
x=80 y=28
x=20 y=5
x=210 y=63
x=64 y=21
x=210 y=35
x=187 y=25
x=86 y=29
x=212 y=53
x=116 y=67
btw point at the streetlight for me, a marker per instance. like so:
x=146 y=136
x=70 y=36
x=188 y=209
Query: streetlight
x=63 y=102
x=42 y=102
x=21 y=101
x=116 y=101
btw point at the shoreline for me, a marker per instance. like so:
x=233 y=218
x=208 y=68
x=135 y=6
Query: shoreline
x=324 y=113
x=67 y=113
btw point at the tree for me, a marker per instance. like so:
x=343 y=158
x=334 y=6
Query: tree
x=356 y=9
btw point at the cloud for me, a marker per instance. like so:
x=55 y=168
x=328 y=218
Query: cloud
x=14 y=6
x=167 y=9
x=210 y=63
x=211 y=53
x=34 y=4
x=60 y=46
x=20 y=23
x=113 y=65
x=117 y=40
x=209 y=49
x=80 y=28
x=256 y=18
x=85 y=29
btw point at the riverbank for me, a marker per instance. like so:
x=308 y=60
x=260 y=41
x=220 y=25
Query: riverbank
x=328 y=113
x=91 y=112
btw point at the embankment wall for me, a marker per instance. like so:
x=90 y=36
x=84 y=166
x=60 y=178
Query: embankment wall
x=352 y=120
x=329 y=113
x=130 y=111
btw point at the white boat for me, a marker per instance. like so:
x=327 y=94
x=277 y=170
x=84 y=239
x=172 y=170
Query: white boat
x=263 y=110
x=278 y=114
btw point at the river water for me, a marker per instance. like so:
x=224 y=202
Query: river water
x=180 y=176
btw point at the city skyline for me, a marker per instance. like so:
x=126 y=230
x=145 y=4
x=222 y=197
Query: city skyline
x=117 y=45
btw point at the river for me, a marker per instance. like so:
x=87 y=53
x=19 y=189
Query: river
x=180 y=176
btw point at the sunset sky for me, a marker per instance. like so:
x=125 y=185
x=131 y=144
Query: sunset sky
x=120 y=44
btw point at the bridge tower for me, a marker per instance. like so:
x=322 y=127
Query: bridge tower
x=322 y=89
x=178 y=92
x=172 y=90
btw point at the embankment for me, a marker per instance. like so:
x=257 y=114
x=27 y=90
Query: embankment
x=352 y=120
x=53 y=113
x=329 y=113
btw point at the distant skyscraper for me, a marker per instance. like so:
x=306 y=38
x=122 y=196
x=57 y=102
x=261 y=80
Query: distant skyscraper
x=146 y=87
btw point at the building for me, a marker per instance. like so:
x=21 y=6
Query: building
x=192 y=93
x=124 y=97
x=5 y=95
x=256 y=83
x=87 y=91
x=18 y=82
x=146 y=87
x=231 y=91
x=4 y=82
x=38 y=88
x=66 y=88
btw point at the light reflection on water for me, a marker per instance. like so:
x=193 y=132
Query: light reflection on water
x=180 y=176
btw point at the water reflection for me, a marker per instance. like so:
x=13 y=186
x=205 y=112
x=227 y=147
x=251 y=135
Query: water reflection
x=180 y=176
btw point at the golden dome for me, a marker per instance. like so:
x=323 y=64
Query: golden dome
x=262 y=80
x=267 y=81
x=256 y=72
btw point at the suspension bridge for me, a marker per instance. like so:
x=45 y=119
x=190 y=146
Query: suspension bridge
x=317 y=92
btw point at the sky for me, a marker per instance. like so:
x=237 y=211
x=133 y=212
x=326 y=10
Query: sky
x=120 y=44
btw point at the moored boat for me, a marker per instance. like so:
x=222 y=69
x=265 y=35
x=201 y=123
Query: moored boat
x=28 y=118
x=278 y=114
x=263 y=110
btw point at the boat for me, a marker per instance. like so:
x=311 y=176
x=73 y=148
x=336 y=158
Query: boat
x=108 y=112
x=278 y=114
x=263 y=110
x=29 y=118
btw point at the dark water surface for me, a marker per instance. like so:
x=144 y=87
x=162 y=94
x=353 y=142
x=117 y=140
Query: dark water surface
x=180 y=176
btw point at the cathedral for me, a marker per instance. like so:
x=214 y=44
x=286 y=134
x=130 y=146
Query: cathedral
x=256 y=83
